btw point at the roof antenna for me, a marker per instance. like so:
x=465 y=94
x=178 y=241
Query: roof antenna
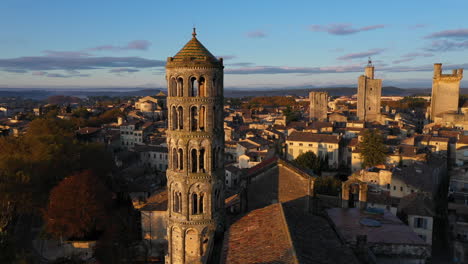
x=369 y=62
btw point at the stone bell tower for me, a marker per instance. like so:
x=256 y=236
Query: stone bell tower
x=195 y=141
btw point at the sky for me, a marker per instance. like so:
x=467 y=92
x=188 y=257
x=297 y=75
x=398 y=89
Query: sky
x=264 y=43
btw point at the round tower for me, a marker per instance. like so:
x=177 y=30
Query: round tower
x=195 y=141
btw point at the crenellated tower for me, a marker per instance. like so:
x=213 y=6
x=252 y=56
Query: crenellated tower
x=445 y=91
x=195 y=141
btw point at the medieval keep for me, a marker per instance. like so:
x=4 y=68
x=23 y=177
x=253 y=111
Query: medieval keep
x=369 y=93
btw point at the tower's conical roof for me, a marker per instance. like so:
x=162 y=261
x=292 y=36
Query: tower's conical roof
x=194 y=50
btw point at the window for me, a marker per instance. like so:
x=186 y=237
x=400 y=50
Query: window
x=197 y=203
x=177 y=205
x=401 y=188
x=300 y=144
x=310 y=145
x=290 y=144
x=420 y=222
x=394 y=187
x=388 y=186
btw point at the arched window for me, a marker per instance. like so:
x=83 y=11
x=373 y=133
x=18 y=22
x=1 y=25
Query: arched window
x=181 y=160
x=180 y=117
x=177 y=202
x=200 y=204
x=173 y=87
x=194 y=160
x=174 y=159
x=174 y=118
x=194 y=203
x=193 y=87
x=201 y=160
x=202 y=117
x=194 y=118
x=201 y=87
x=180 y=87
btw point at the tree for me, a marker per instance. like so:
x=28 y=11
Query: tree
x=373 y=149
x=290 y=114
x=79 y=207
x=327 y=186
x=309 y=160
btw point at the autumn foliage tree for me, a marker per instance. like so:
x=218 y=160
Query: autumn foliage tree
x=79 y=207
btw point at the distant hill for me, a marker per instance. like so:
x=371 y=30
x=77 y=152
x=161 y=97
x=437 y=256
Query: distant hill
x=41 y=94
x=332 y=91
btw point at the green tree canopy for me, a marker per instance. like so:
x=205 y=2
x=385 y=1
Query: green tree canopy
x=309 y=160
x=373 y=149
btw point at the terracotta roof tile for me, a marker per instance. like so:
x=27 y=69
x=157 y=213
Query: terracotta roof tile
x=312 y=137
x=261 y=236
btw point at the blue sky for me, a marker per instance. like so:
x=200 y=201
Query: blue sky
x=266 y=44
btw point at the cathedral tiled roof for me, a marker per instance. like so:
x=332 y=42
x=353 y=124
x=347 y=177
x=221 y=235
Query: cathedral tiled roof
x=194 y=50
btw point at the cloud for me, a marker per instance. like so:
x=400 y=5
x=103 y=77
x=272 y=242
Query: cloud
x=416 y=26
x=281 y=70
x=240 y=64
x=120 y=70
x=358 y=55
x=39 y=73
x=133 y=45
x=402 y=60
x=256 y=34
x=412 y=56
x=66 y=54
x=342 y=29
x=227 y=57
x=448 y=40
x=334 y=69
x=417 y=54
x=15 y=70
x=45 y=63
x=447 y=45
x=60 y=75
x=461 y=33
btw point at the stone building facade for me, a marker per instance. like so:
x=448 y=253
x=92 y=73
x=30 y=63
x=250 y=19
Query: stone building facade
x=195 y=140
x=445 y=91
x=369 y=94
x=318 y=106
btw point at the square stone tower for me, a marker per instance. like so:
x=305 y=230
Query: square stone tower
x=445 y=91
x=318 y=106
x=368 y=96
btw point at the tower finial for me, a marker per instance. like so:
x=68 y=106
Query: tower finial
x=369 y=62
x=194 y=33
